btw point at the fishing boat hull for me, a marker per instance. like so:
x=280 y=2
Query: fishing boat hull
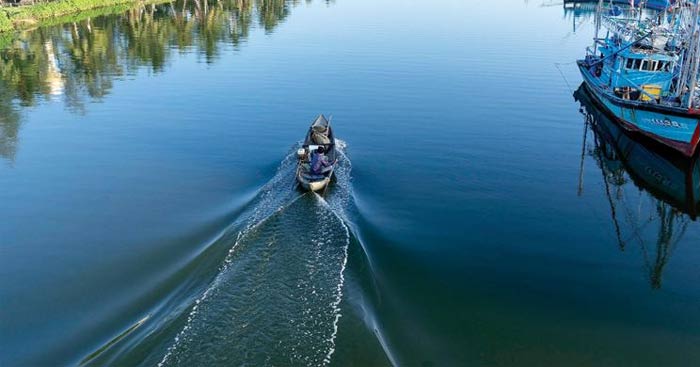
x=675 y=127
x=666 y=174
x=314 y=186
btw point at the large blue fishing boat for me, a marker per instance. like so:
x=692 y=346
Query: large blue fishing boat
x=644 y=72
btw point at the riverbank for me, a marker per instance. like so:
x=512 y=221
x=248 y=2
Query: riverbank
x=23 y=17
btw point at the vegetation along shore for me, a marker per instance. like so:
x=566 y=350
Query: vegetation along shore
x=29 y=16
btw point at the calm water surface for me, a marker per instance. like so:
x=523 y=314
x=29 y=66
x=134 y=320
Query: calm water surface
x=482 y=214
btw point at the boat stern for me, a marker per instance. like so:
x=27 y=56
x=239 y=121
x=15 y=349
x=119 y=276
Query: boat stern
x=318 y=185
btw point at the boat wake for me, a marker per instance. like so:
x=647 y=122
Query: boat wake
x=276 y=299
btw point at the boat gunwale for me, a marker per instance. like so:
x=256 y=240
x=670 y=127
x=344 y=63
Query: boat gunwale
x=687 y=149
x=646 y=106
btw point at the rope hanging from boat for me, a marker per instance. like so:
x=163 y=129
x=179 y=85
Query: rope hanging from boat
x=561 y=72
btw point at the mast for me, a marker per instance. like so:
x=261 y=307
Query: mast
x=598 y=11
x=694 y=56
x=690 y=60
x=678 y=24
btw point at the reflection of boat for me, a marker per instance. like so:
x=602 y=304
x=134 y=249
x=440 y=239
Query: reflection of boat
x=667 y=175
x=645 y=73
x=583 y=11
x=650 y=4
x=319 y=146
x=653 y=192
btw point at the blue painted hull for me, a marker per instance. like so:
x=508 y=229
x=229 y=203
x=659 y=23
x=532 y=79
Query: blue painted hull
x=670 y=177
x=674 y=127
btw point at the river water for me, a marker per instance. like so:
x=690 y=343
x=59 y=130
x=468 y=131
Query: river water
x=482 y=214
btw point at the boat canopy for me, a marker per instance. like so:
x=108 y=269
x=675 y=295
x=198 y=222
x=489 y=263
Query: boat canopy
x=652 y=54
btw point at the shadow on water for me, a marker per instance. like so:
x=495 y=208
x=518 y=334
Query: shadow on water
x=652 y=192
x=78 y=62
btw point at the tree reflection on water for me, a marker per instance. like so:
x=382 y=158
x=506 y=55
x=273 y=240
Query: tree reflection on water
x=77 y=62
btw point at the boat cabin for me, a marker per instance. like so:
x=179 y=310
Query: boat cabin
x=637 y=73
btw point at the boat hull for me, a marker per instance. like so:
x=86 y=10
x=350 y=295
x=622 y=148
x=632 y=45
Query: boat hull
x=674 y=127
x=666 y=174
x=313 y=185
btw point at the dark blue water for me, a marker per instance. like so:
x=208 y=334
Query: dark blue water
x=482 y=214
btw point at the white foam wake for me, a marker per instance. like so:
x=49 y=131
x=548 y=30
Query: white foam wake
x=276 y=299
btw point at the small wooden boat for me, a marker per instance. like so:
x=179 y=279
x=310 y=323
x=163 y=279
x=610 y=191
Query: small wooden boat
x=317 y=156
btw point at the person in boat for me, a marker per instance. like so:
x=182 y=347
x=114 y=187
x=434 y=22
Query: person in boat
x=319 y=161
